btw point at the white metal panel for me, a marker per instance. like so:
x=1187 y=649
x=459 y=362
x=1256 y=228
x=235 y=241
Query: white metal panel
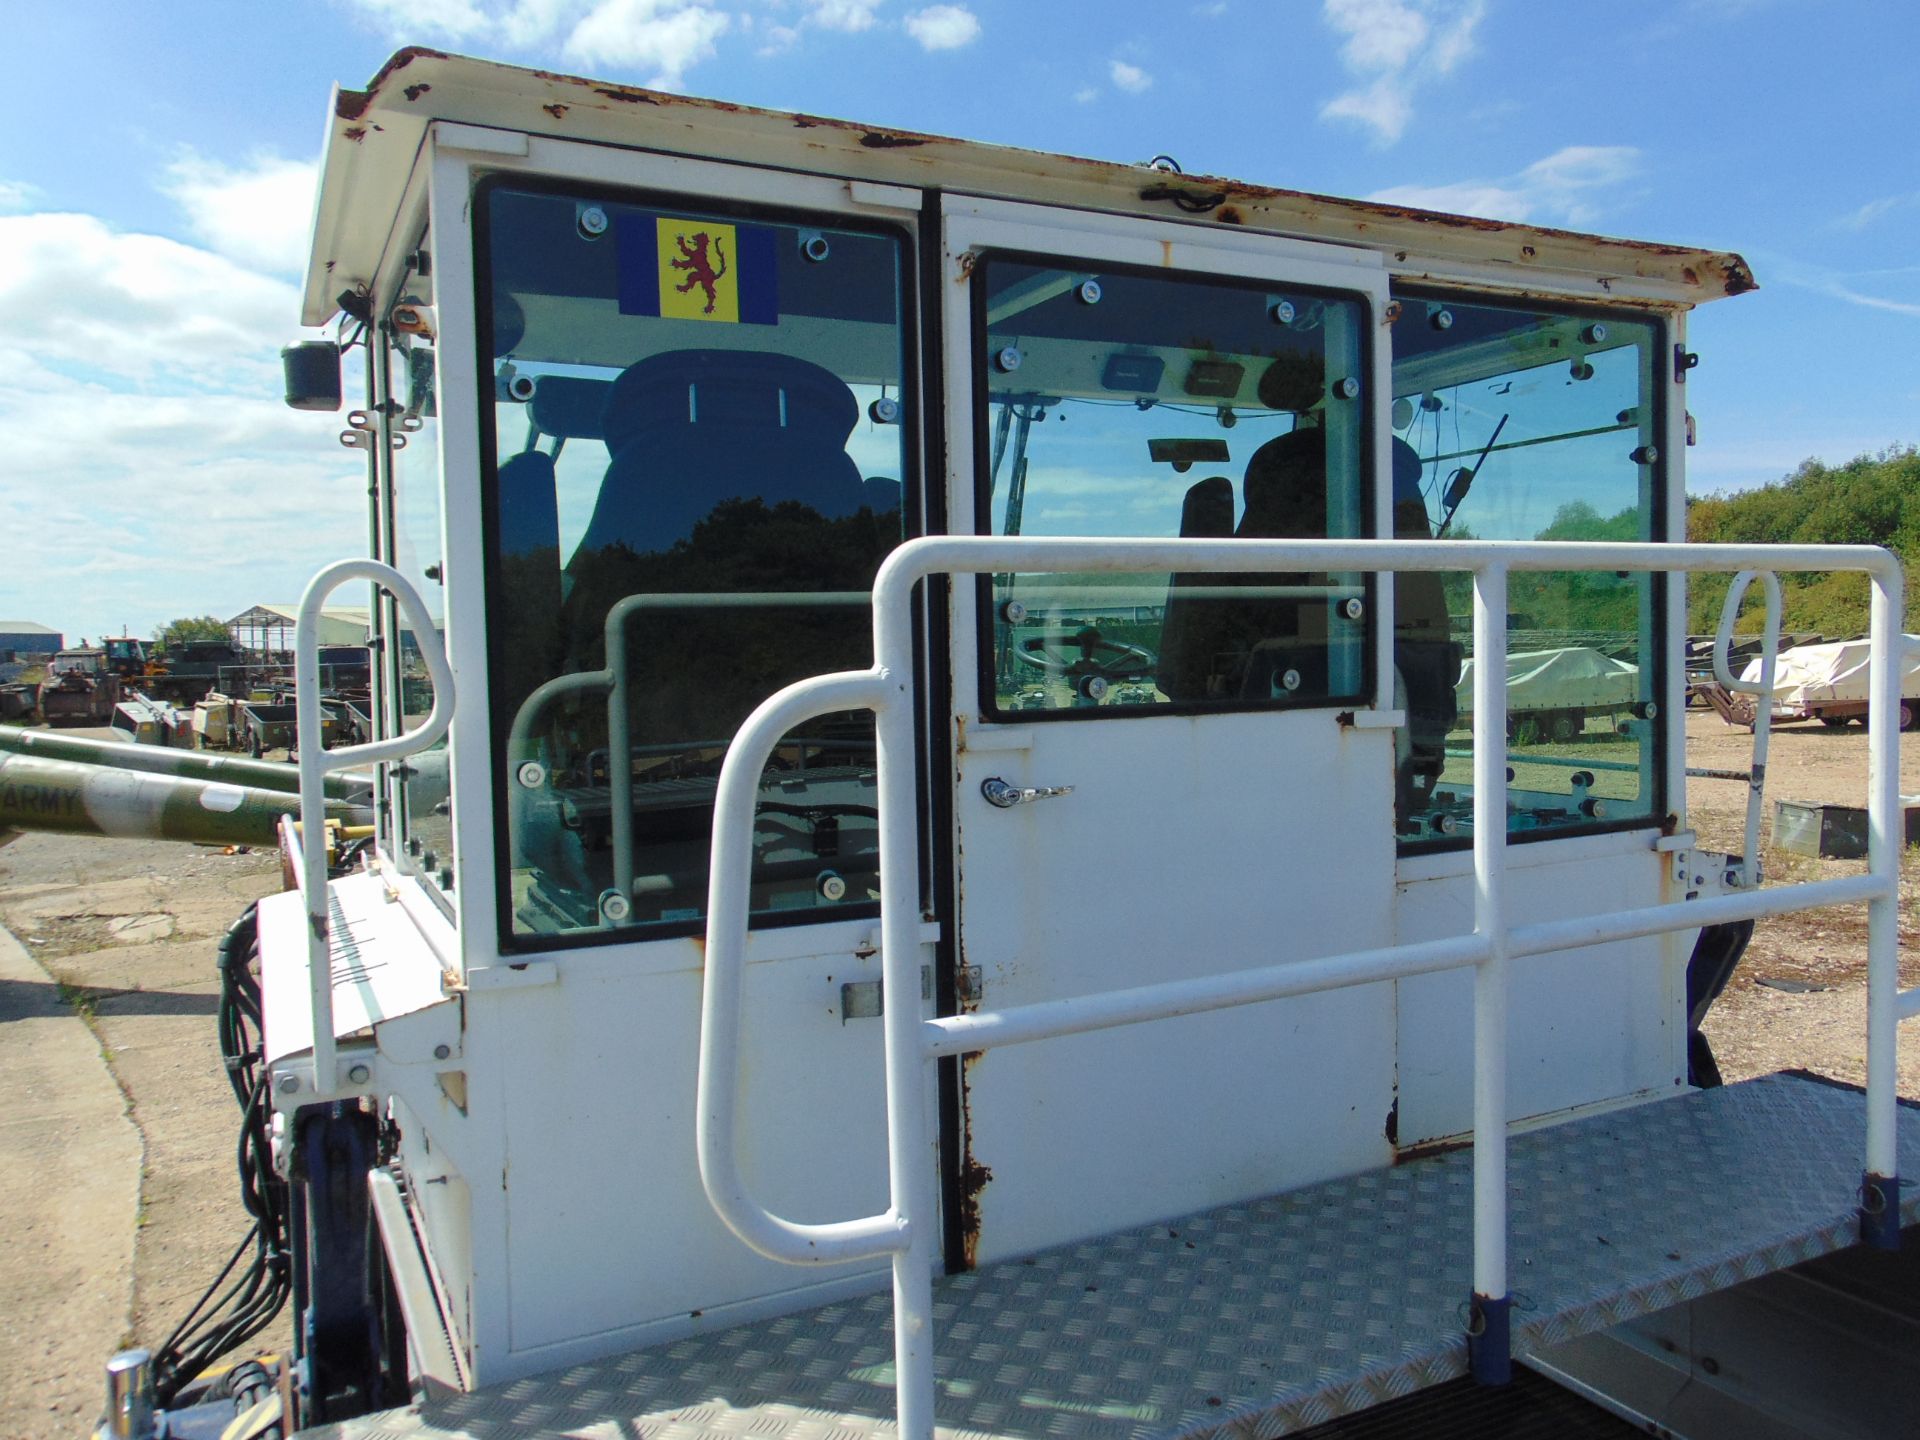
x=1184 y=849
x=1586 y=1025
x=610 y=1227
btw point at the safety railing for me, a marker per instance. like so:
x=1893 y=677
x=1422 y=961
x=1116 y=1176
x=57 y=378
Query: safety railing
x=317 y=762
x=613 y=681
x=914 y=1043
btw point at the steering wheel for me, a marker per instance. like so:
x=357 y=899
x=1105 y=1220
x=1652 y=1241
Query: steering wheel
x=1088 y=662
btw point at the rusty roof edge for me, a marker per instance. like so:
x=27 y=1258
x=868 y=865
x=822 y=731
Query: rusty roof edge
x=439 y=85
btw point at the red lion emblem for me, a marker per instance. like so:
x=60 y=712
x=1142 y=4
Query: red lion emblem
x=700 y=270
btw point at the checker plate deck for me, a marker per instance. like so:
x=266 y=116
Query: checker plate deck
x=1261 y=1319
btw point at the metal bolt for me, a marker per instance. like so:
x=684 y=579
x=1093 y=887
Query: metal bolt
x=832 y=886
x=520 y=387
x=615 y=906
x=1645 y=454
x=1013 y=612
x=1094 y=687
x=1580 y=370
x=532 y=774
x=1283 y=312
x=1353 y=607
x=1594 y=334
x=815 y=248
x=1347 y=388
x=1089 y=292
x=1227 y=418
x=358 y=1074
x=593 y=222
x=1442 y=319
x=1289 y=680
x=288 y=1084
x=884 y=411
x=442 y=1052
x=1009 y=359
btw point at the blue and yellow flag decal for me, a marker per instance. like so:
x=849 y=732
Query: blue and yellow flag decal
x=698 y=270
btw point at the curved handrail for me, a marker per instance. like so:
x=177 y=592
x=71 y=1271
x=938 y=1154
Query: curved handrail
x=316 y=762
x=728 y=901
x=1761 y=690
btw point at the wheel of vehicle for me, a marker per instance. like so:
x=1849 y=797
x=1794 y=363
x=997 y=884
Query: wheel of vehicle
x=1910 y=714
x=1563 y=725
x=1834 y=722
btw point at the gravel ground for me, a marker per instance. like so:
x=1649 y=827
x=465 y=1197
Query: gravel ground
x=1756 y=1028
x=126 y=929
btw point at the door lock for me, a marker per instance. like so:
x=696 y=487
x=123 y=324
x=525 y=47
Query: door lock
x=1003 y=796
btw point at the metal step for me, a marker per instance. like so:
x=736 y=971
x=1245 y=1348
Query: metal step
x=1268 y=1318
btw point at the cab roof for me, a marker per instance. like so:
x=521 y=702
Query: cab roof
x=373 y=136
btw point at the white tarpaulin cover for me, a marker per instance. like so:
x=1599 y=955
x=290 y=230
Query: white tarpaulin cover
x=1810 y=674
x=1576 y=677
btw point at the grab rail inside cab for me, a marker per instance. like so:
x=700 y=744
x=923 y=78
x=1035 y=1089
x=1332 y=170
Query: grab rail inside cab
x=316 y=762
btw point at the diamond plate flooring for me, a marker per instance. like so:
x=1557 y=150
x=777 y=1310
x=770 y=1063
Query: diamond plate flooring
x=1258 y=1320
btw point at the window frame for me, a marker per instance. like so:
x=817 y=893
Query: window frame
x=1367 y=687
x=1657 y=816
x=914 y=490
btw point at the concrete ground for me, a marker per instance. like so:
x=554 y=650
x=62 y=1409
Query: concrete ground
x=108 y=1054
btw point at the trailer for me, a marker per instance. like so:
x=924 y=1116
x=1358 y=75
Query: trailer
x=1824 y=681
x=893 y=914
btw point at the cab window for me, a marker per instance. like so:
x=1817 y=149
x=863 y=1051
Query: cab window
x=697 y=465
x=1119 y=402
x=1518 y=422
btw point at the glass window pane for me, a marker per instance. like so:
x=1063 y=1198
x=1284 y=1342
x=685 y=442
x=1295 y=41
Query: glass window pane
x=1512 y=423
x=700 y=456
x=1144 y=404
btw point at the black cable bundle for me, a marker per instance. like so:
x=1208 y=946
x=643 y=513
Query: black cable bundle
x=250 y=1303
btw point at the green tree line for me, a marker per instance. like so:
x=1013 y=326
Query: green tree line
x=1870 y=500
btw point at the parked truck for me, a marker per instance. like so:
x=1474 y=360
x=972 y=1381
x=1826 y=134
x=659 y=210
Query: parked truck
x=787 y=1019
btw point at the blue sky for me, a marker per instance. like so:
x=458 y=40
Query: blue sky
x=156 y=164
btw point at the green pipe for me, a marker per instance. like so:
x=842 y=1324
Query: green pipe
x=160 y=760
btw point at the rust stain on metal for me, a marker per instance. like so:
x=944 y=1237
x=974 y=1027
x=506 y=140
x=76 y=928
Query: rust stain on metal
x=1426 y=1149
x=556 y=110
x=414 y=92
x=1393 y=1122
x=355 y=133
x=1166 y=253
x=889 y=140
x=1230 y=216
x=1391 y=315
x=966 y=268
x=626 y=96
x=974 y=1177
x=352 y=104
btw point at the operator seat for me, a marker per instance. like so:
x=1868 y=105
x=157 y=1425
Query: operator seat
x=1286 y=498
x=1195 y=633
x=689 y=429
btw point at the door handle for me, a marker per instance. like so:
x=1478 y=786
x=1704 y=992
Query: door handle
x=1003 y=796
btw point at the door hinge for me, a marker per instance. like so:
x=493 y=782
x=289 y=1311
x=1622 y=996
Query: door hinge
x=1683 y=361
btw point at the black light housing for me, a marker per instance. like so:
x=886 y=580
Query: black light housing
x=312 y=369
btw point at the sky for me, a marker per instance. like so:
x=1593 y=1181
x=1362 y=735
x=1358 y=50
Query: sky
x=157 y=164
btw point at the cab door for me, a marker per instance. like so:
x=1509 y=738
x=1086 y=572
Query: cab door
x=1226 y=766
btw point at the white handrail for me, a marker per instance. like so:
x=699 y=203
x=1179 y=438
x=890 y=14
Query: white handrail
x=914 y=1042
x=316 y=762
x=1762 y=705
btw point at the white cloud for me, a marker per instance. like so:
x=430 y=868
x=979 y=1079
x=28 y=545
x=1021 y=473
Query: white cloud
x=260 y=214
x=429 y=19
x=1130 y=78
x=848 y=16
x=1567 y=188
x=1871 y=211
x=17 y=195
x=1086 y=95
x=1397 y=46
x=150 y=456
x=664 y=36
x=943 y=27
